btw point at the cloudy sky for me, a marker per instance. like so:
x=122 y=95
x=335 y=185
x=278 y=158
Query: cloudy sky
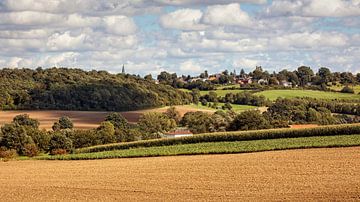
x=183 y=36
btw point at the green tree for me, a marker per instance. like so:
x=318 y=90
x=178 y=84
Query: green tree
x=195 y=95
x=305 y=74
x=117 y=120
x=14 y=136
x=249 y=120
x=325 y=75
x=59 y=141
x=155 y=122
x=106 y=132
x=63 y=123
x=25 y=120
x=172 y=113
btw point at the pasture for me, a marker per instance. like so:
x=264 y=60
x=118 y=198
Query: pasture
x=274 y=94
x=339 y=87
x=326 y=174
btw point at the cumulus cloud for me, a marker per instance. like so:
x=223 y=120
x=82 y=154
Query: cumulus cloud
x=333 y=8
x=183 y=19
x=120 y=25
x=190 y=66
x=230 y=14
x=179 y=35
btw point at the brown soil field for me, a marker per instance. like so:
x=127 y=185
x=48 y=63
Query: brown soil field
x=289 y=175
x=83 y=119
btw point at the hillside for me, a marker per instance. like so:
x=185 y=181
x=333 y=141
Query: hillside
x=75 y=89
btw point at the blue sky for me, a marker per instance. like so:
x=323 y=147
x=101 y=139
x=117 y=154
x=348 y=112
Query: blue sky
x=182 y=36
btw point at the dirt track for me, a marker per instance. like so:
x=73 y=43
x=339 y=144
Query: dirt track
x=300 y=175
x=82 y=119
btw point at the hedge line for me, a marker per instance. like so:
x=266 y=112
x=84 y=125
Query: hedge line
x=347 y=129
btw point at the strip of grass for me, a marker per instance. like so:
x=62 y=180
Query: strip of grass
x=274 y=94
x=235 y=107
x=218 y=148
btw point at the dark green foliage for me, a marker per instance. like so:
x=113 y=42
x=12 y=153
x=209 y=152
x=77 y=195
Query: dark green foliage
x=227 y=106
x=85 y=138
x=106 y=132
x=14 y=136
x=25 y=120
x=60 y=141
x=153 y=123
x=245 y=98
x=201 y=122
x=347 y=89
x=233 y=136
x=117 y=120
x=249 y=120
x=41 y=138
x=172 y=113
x=65 y=123
x=75 y=89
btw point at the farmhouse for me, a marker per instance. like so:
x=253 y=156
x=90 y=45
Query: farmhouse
x=178 y=133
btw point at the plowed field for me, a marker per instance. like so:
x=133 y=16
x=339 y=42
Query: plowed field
x=294 y=175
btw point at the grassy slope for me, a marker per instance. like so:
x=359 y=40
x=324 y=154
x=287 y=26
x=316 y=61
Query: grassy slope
x=218 y=148
x=339 y=87
x=236 y=108
x=219 y=92
x=274 y=94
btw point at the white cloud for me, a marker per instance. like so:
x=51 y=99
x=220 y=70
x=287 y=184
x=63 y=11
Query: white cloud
x=230 y=14
x=245 y=63
x=183 y=19
x=190 y=67
x=120 y=25
x=318 y=8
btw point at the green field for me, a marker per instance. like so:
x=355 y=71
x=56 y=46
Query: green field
x=339 y=87
x=274 y=94
x=235 y=107
x=220 y=92
x=218 y=148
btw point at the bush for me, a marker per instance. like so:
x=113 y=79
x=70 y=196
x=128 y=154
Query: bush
x=233 y=136
x=249 y=120
x=106 y=133
x=15 y=137
x=7 y=153
x=63 y=123
x=31 y=150
x=117 y=120
x=60 y=141
x=58 y=152
x=347 y=89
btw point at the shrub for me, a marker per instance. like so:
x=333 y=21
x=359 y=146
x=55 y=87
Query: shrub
x=7 y=153
x=106 y=132
x=347 y=89
x=117 y=120
x=15 y=137
x=31 y=150
x=172 y=113
x=25 y=120
x=58 y=152
x=249 y=120
x=60 y=141
x=63 y=123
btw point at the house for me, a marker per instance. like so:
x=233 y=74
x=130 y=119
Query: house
x=263 y=82
x=180 y=132
x=286 y=83
x=242 y=80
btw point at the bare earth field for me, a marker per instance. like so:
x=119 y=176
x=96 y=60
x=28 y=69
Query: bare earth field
x=82 y=119
x=293 y=175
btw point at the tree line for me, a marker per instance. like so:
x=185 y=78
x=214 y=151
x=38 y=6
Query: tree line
x=76 y=89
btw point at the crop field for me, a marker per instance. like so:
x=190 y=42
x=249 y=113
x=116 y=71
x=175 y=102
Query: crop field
x=274 y=94
x=327 y=174
x=88 y=119
x=217 y=148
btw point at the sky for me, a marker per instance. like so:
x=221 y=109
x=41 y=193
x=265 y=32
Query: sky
x=182 y=36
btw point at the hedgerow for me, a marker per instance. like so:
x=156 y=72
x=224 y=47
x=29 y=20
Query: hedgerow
x=232 y=136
